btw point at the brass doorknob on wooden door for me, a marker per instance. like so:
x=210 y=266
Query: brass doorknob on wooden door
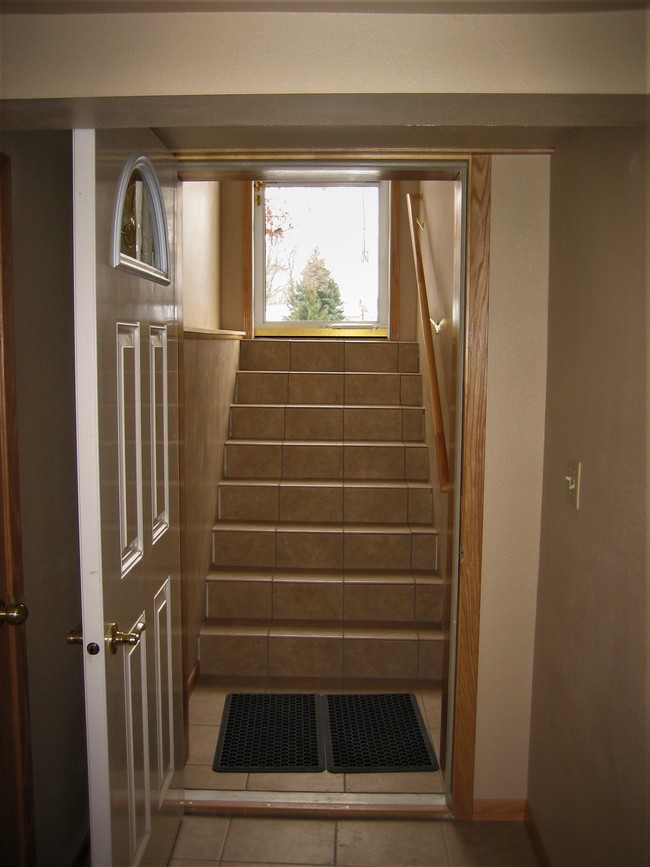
x=113 y=638
x=14 y=613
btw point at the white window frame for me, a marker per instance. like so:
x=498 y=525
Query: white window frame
x=259 y=258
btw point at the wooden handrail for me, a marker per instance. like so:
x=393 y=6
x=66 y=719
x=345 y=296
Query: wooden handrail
x=434 y=389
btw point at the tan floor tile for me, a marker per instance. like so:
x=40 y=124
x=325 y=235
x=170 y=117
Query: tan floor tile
x=244 y=460
x=408 y=357
x=239 y=598
x=265 y=354
x=206 y=706
x=316 y=388
x=411 y=389
x=307 y=782
x=313 y=461
x=425 y=782
x=389 y=843
x=373 y=462
x=261 y=387
x=314 y=423
x=323 y=355
x=250 y=422
x=203 y=742
x=280 y=841
x=307 y=598
x=247 y=501
x=484 y=844
x=315 y=502
x=368 y=389
x=201 y=838
x=305 y=657
x=363 y=356
x=183 y=862
x=203 y=777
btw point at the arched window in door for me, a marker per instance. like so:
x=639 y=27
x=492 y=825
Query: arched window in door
x=140 y=242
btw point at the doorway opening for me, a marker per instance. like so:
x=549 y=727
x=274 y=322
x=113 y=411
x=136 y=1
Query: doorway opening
x=420 y=173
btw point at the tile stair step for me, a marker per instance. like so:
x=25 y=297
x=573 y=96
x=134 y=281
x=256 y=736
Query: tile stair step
x=332 y=546
x=265 y=459
x=290 y=648
x=324 y=595
x=372 y=389
x=375 y=423
x=321 y=501
x=329 y=355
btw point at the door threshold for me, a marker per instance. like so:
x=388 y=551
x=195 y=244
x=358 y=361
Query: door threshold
x=315 y=804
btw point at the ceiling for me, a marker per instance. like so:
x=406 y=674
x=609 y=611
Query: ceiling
x=209 y=127
x=351 y=6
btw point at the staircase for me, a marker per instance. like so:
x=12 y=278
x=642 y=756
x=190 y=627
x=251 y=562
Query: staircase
x=324 y=554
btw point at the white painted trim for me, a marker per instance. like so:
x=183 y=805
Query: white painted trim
x=141 y=163
x=87 y=422
x=163 y=634
x=132 y=549
x=159 y=515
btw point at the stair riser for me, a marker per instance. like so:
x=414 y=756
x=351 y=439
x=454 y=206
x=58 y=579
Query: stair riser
x=367 y=389
x=326 y=657
x=325 y=461
x=331 y=549
x=324 y=355
x=317 y=423
x=324 y=503
x=329 y=600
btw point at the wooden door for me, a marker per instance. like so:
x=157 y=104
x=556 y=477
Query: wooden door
x=16 y=797
x=126 y=335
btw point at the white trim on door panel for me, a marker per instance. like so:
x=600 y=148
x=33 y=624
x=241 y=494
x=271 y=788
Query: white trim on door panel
x=85 y=328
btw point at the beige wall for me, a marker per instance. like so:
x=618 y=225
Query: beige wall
x=517 y=345
x=201 y=254
x=588 y=773
x=43 y=299
x=232 y=279
x=234 y=52
x=210 y=363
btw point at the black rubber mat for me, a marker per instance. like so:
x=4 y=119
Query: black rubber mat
x=377 y=733
x=270 y=732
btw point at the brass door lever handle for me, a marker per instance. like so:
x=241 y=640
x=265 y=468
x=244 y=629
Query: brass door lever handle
x=113 y=637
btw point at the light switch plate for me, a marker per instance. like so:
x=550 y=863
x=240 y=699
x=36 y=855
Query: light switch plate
x=573 y=483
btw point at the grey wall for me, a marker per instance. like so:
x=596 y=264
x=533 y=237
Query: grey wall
x=588 y=765
x=43 y=298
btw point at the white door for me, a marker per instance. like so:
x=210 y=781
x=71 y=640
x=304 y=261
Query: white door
x=126 y=334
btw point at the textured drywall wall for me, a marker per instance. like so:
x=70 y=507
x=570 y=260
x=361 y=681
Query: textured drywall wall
x=588 y=762
x=201 y=254
x=513 y=471
x=234 y=52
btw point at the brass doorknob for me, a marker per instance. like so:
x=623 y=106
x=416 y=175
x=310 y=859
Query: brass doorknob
x=14 y=614
x=113 y=638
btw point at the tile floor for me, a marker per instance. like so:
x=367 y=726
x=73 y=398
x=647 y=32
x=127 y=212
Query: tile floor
x=206 y=707
x=216 y=841
x=212 y=841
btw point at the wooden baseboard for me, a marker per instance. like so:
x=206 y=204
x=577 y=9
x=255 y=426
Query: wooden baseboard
x=495 y=810
x=535 y=838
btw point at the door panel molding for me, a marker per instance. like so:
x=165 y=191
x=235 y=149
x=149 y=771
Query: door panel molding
x=164 y=688
x=137 y=744
x=129 y=442
x=159 y=430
